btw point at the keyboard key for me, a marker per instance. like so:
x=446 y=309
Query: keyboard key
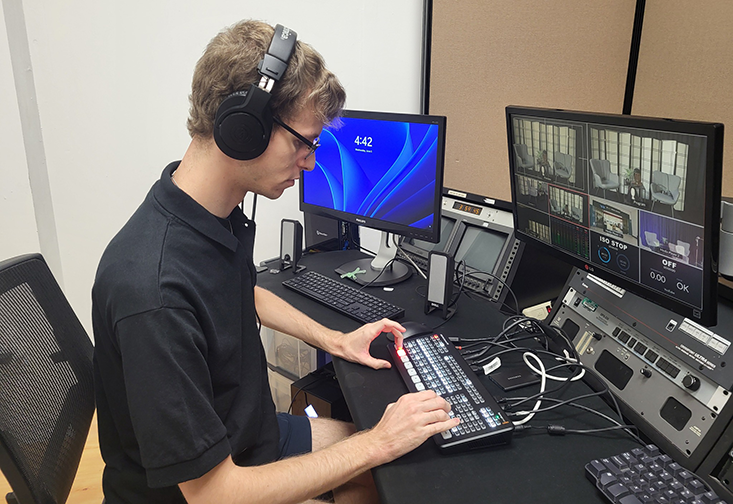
x=665 y=460
x=652 y=450
x=697 y=487
x=630 y=499
x=606 y=479
x=709 y=497
x=615 y=492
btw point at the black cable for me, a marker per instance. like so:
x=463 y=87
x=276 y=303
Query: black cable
x=386 y=266
x=358 y=243
x=593 y=431
x=603 y=391
x=572 y=354
x=478 y=358
x=563 y=385
x=461 y=283
x=566 y=382
x=446 y=320
x=517 y=311
x=494 y=340
x=405 y=257
x=559 y=331
x=558 y=402
x=619 y=425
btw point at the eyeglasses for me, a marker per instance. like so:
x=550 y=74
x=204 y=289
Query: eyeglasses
x=312 y=145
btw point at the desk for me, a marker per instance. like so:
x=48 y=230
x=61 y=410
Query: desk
x=534 y=468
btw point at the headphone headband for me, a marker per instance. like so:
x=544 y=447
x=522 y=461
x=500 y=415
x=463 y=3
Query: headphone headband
x=275 y=62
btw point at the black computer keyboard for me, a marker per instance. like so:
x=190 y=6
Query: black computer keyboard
x=343 y=298
x=645 y=475
x=431 y=362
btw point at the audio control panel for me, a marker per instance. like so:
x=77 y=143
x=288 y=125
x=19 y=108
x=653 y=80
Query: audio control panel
x=668 y=373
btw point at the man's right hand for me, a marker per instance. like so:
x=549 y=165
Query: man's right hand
x=404 y=426
x=407 y=423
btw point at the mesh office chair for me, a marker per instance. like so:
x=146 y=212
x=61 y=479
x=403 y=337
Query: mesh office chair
x=46 y=384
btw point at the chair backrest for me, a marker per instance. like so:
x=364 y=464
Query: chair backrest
x=522 y=152
x=673 y=183
x=651 y=239
x=659 y=177
x=666 y=181
x=601 y=167
x=47 y=398
x=563 y=160
x=683 y=248
x=659 y=181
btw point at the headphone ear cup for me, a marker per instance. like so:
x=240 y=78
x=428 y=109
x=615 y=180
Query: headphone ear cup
x=243 y=124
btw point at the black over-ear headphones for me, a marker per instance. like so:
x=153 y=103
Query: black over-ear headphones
x=243 y=121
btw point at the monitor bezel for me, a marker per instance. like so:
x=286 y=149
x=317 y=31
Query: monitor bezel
x=429 y=235
x=707 y=314
x=411 y=247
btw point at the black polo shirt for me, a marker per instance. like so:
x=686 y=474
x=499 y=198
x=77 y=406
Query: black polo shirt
x=180 y=372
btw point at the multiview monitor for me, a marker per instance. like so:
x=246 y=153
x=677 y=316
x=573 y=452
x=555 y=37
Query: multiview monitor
x=383 y=171
x=634 y=200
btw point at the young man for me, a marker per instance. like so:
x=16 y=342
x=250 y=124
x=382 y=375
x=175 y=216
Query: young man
x=184 y=407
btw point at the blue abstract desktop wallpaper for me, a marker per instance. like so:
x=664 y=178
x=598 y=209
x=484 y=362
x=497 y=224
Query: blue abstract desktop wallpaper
x=378 y=169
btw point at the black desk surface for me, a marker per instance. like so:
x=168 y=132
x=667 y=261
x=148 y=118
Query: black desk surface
x=534 y=468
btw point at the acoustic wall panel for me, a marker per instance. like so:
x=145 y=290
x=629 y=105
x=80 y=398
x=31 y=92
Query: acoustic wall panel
x=684 y=66
x=487 y=54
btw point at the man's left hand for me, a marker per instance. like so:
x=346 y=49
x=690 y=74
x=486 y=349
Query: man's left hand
x=355 y=345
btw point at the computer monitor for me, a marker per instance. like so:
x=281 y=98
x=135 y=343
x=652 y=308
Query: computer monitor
x=633 y=200
x=383 y=171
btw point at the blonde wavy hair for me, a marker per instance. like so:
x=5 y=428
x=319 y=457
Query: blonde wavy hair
x=229 y=64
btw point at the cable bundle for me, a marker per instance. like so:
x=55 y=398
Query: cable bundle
x=548 y=365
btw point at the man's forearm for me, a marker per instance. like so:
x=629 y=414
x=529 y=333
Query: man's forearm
x=277 y=314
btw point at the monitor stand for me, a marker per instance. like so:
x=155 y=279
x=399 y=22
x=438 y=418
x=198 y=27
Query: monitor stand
x=374 y=271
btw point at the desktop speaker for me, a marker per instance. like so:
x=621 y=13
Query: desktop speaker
x=243 y=121
x=291 y=243
x=726 y=239
x=440 y=283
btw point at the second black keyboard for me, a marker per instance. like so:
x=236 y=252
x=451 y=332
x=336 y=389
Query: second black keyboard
x=647 y=476
x=343 y=298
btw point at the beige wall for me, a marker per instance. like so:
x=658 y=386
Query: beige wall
x=685 y=69
x=487 y=54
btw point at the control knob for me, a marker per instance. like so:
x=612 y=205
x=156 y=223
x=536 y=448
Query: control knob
x=691 y=382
